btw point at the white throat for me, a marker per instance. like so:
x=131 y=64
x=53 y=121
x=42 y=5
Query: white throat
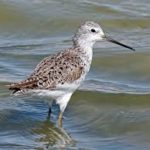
x=86 y=46
x=84 y=43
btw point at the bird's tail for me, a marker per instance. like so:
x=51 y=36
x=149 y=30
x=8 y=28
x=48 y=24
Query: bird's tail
x=15 y=87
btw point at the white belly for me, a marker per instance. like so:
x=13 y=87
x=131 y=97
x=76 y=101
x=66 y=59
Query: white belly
x=59 y=91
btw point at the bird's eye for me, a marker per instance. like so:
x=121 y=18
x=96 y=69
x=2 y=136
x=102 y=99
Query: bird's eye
x=93 y=30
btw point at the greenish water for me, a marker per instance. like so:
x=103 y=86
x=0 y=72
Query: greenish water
x=110 y=111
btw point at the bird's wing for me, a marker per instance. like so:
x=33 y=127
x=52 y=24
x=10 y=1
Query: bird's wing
x=29 y=83
x=64 y=67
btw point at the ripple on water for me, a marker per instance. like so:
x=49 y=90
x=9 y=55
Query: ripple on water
x=111 y=109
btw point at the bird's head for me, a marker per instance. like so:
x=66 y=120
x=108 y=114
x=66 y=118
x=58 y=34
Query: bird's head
x=90 y=32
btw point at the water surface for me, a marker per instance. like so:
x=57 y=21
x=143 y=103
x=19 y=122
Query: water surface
x=110 y=111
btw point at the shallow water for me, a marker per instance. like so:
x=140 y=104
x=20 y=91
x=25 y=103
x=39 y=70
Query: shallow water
x=111 y=109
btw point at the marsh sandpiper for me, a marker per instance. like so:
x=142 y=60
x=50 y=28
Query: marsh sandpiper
x=59 y=76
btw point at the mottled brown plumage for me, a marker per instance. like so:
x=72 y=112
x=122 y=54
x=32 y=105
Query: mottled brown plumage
x=65 y=67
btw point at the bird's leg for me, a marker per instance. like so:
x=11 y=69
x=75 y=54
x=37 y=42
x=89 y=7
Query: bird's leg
x=49 y=110
x=62 y=102
x=60 y=117
x=49 y=113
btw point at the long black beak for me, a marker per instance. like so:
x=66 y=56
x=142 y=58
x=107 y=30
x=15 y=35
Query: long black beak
x=109 y=39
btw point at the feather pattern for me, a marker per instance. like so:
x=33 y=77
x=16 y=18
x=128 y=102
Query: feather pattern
x=65 y=67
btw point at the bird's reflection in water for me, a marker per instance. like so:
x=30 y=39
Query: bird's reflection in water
x=52 y=137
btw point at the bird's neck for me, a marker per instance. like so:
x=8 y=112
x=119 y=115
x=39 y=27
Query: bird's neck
x=85 y=49
x=83 y=43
